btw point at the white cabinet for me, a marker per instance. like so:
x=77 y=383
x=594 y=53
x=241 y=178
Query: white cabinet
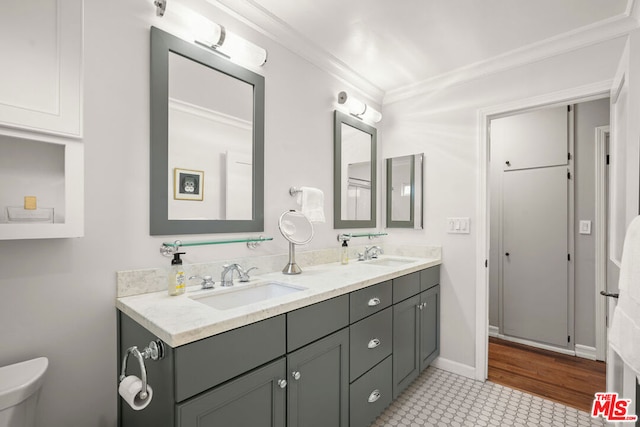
x=41 y=76
x=41 y=154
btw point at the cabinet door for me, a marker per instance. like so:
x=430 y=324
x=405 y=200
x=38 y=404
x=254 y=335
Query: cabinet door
x=429 y=326
x=318 y=376
x=41 y=82
x=406 y=341
x=255 y=399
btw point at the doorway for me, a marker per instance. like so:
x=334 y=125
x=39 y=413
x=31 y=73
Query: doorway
x=581 y=94
x=532 y=203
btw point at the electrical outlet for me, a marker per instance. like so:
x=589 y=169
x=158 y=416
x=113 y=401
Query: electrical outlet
x=585 y=227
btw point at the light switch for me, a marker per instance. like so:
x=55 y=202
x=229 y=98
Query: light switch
x=585 y=227
x=458 y=225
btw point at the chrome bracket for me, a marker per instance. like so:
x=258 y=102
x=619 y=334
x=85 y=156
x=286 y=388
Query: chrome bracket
x=161 y=7
x=168 y=251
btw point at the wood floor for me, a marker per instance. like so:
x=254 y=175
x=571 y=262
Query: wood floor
x=566 y=379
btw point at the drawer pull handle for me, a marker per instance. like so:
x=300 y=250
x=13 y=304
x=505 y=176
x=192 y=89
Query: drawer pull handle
x=373 y=302
x=296 y=375
x=282 y=383
x=375 y=395
x=373 y=343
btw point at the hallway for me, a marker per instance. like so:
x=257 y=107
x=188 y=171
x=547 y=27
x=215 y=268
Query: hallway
x=569 y=380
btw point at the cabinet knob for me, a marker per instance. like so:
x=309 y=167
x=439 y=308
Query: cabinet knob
x=373 y=302
x=375 y=395
x=508 y=163
x=420 y=306
x=373 y=343
x=296 y=375
x=282 y=383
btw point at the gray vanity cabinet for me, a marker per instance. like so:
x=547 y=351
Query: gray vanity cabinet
x=416 y=327
x=318 y=364
x=318 y=383
x=339 y=362
x=256 y=399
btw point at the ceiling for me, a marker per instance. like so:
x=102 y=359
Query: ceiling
x=391 y=45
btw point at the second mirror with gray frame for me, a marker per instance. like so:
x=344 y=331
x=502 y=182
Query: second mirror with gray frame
x=404 y=191
x=354 y=188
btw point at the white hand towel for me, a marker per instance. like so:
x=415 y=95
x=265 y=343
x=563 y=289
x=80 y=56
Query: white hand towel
x=311 y=202
x=624 y=334
x=630 y=268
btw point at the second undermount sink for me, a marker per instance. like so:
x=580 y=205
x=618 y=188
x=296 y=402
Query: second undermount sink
x=227 y=299
x=390 y=262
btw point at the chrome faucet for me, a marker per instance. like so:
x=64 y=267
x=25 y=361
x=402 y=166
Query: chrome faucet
x=226 y=278
x=372 y=252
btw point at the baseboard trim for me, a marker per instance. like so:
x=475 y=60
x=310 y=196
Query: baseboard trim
x=537 y=345
x=586 y=352
x=454 y=367
x=494 y=331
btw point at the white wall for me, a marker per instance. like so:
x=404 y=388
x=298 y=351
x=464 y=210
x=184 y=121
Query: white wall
x=58 y=295
x=444 y=125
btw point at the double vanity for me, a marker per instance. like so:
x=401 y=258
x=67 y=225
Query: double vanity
x=332 y=346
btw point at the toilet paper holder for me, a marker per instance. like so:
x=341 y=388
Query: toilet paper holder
x=154 y=351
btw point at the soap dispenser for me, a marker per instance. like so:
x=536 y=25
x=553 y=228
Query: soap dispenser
x=177 y=278
x=344 y=254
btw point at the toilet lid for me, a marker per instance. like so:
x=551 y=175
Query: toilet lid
x=21 y=380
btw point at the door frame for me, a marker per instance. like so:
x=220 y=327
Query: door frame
x=579 y=94
x=601 y=228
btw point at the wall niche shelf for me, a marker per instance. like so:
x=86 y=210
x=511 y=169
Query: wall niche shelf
x=41 y=187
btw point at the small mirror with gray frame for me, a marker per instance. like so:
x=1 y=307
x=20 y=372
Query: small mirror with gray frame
x=207 y=141
x=354 y=166
x=404 y=191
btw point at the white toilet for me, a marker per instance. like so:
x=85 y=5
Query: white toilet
x=19 y=389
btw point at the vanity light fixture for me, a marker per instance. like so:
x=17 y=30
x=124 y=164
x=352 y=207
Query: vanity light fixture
x=214 y=36
x=217 y=38
x=358 y=108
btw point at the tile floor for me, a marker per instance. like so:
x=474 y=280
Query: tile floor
x=440 y=398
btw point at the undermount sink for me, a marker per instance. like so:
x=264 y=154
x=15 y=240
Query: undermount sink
x=390 y=262
x=244 y=295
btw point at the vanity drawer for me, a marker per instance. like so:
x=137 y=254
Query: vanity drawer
x=368 y=301
x=206 y=363
x=429 y=278
x=311 y=323
x=370 y=395
x=370 y=341
x=406 y=286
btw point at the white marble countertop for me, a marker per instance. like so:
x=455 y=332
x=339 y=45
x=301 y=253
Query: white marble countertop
x=179 y=320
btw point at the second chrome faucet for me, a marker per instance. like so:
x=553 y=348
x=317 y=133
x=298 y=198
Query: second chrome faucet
x=226 y=277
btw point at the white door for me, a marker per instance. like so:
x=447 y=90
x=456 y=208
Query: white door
x=535 y=266
x=617 y=211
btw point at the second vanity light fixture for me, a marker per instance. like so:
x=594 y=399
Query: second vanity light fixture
x=216 y=37
x=358 y=108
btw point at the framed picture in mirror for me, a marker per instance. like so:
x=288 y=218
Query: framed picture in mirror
x=188 y=184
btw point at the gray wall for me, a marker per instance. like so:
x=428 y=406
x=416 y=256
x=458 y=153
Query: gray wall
x=588 y=116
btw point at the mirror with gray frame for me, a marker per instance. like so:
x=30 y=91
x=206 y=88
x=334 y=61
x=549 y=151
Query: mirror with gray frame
x=404 y=191
x=354 y=166
x=207 y=141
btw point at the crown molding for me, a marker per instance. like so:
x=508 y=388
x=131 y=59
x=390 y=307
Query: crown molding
x=262 y=20
x=598 y=32
x=268 y=24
